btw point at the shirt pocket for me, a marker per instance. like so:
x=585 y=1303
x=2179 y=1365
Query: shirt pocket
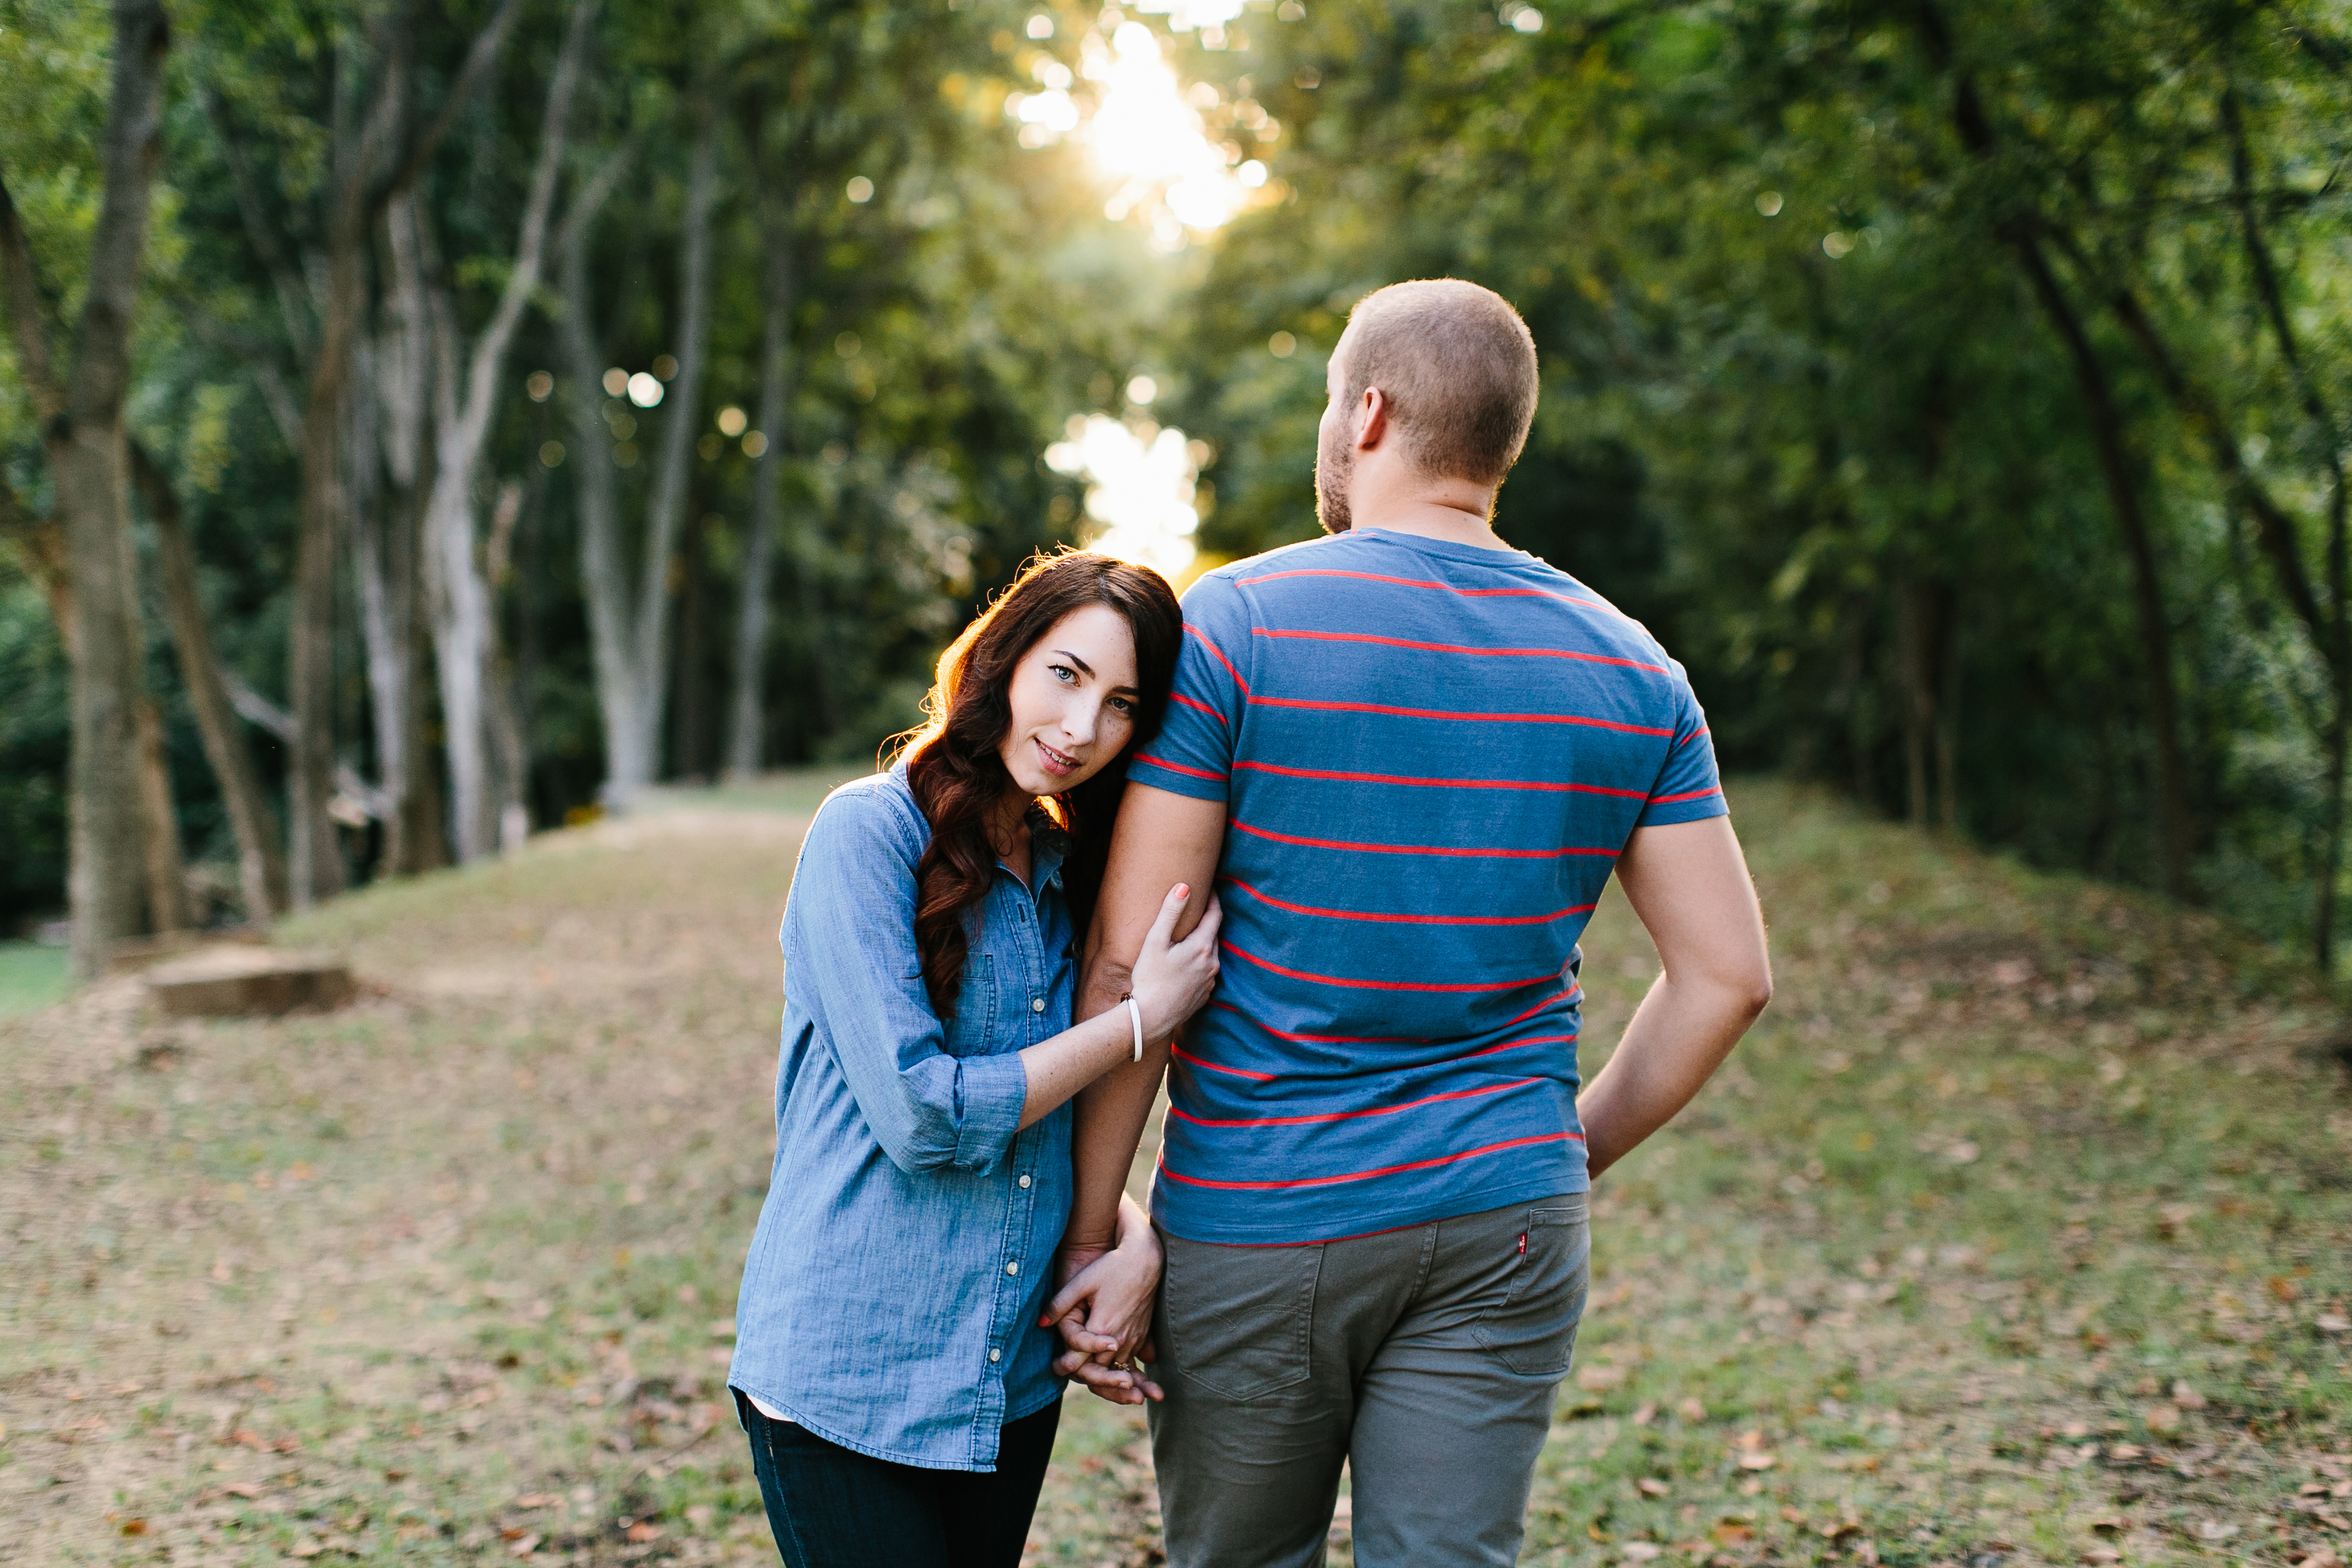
x=973 y=1028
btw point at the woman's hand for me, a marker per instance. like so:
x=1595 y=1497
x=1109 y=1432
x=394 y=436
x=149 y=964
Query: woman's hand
x=1172 y=978
x=1104 y=1311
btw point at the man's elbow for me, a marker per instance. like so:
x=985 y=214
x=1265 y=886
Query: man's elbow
x=1754 y=989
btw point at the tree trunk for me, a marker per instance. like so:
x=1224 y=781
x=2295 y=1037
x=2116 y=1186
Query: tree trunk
x=459 y=598
x=1915 y=641
x=261 y=870
x=689 y=756
x=80 y=412
x=603 y=571
x=2175 y=830
x=509 y=749
x=628 y=621
x=639 y=762
x=166 y=860
x=749 y=716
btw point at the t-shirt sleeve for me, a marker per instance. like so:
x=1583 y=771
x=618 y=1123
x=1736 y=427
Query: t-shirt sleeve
x=1193 y=753
x=1687 y=788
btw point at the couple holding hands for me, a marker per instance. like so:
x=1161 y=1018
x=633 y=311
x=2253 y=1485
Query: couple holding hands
x=1314 y=848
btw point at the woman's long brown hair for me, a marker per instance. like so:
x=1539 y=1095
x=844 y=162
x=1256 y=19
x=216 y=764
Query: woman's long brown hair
x=956 y=769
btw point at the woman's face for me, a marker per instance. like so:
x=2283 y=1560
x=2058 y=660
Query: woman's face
x=1073 y=700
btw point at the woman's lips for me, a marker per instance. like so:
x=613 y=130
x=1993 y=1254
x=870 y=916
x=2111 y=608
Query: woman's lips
x=1058 y=763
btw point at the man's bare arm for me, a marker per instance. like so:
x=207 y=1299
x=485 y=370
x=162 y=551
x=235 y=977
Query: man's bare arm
x=1688 y=882
x=1161 y=839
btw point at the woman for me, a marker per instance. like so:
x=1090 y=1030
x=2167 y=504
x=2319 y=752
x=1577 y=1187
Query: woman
x=890 y=1366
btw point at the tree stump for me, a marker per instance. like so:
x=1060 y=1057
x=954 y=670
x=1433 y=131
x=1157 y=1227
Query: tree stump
x=237 y=982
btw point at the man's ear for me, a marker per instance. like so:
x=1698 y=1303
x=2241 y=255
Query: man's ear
x=1373 y=424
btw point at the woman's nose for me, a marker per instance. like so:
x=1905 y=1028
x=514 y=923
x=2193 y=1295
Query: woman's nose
x=1080 y=719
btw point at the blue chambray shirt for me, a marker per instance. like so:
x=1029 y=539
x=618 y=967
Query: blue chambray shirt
x=890 y=1300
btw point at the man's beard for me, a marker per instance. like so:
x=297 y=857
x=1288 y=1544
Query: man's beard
x=1335 y=464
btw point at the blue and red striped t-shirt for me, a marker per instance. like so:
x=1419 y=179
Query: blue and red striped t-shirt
x=1430 y=756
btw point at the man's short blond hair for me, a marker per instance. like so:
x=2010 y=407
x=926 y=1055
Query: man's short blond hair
x=1457 y=368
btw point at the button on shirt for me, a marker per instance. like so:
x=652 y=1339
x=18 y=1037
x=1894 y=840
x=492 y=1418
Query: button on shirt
x=890 y=1300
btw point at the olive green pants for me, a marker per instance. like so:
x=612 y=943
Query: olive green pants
x=1425 y=1359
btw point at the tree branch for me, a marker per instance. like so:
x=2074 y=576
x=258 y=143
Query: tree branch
x=293 y=299
x=29 y=316
x=134 y=147
x=479 y=59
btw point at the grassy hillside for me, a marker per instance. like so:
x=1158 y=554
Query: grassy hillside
x=2019 y=1232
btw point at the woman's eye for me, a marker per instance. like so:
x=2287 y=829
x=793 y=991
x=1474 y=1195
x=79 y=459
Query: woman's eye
x=1123 y=705
x=1064 y=674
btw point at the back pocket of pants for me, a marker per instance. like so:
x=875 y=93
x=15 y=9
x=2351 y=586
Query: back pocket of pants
x=1532 y=1330
x=1239 y=1321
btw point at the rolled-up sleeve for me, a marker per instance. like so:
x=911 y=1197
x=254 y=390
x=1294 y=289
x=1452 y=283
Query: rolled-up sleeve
x=850 y=960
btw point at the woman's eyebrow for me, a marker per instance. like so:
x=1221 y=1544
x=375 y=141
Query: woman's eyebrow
x=1074 y=658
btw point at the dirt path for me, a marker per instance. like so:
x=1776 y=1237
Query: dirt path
x=2019 y=1233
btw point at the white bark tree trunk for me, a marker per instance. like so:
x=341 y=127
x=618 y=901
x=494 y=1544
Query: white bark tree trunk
x=629 y=620
x=459 y=594
x=750 y=713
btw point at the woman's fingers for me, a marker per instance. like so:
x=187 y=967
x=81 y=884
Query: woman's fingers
x=1171 y=909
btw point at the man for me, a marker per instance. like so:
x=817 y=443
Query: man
x=1410 y=757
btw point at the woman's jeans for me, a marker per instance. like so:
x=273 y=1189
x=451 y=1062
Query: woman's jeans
x=831 y=1507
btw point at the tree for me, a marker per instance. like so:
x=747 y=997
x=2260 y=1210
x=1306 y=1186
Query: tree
x=81 y=408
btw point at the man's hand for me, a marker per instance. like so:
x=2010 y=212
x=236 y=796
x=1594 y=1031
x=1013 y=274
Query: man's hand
x=1103 y=1309
x=1688 y=882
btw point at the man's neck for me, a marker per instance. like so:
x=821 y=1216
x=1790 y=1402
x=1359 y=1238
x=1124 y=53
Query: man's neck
x=1432 y=520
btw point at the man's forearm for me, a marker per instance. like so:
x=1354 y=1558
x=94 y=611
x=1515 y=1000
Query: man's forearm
x=1678 y=1037
x=1160 y=839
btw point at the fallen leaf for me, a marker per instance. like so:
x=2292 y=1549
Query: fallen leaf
x=2110 y=1525
x=722 y=1329
x=2162 y=1417
x=2214 y=1529
x=1758 y=1461
x=308 y=1546
x=513 y=1532
x=2103 y=1555
x=1645 y=1414
x=1600 y=1379
x=525 y=1546
x=2333 y=1323
x=1691 y=1410
x=537 y=1500
x=1731 y=1535
x=1832 y=1529
x=134 y=1527
x=2186 y=1398
x=2125 y=1452
x=644 y=1529
x=1652 y=1487
x=1642 y=1551
x=243 y=1488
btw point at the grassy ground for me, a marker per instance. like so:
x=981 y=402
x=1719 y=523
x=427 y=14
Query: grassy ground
x=2020 y=1231
x=31 y=977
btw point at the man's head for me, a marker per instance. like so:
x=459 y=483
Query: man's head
x=1446 y=368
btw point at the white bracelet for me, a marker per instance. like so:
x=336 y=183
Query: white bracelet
x=1134 y=1013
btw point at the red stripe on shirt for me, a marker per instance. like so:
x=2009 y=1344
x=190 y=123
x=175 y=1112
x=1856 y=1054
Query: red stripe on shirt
x=1693 y=795
x=1546 y=785
x=1457 y=647
x=1381 y=984
x=1360 y=847
x=1571 y=993
x=1319 y=1039
x=1411 y=920
x=1183 y=1054
x=1510 y=1046
x=1466 y=718
x=1220 y=654
x=1443 y=588
x=1194 y=702
x=1698 y=734
x=1183 y=1115
x=1366 y=1175
x=1177 y=767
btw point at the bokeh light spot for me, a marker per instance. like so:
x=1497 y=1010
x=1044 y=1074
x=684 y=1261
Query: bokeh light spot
x=644 y=390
